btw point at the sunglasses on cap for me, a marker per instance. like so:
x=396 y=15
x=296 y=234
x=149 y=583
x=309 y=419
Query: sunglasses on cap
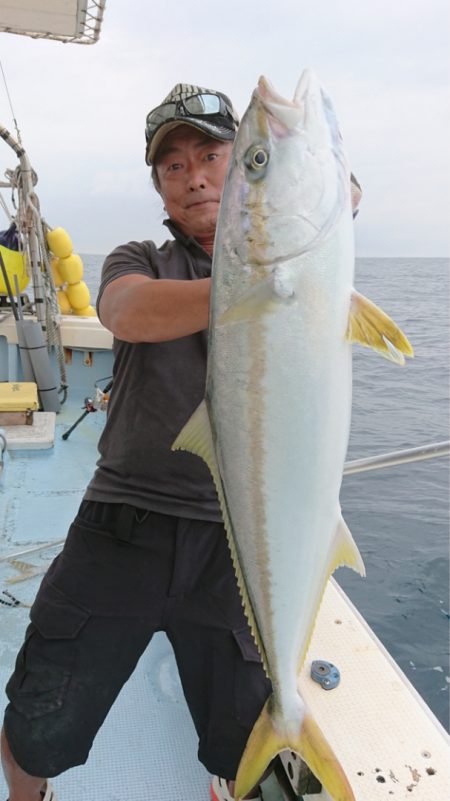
x=195 y=106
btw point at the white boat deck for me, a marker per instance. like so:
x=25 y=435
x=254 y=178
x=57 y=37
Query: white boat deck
x=389 y=743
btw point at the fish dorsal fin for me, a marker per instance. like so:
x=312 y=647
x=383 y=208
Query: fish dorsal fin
x=345 y=551
x=370 y=326
x=197 y=437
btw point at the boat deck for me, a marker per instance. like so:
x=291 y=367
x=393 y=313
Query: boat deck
x=147 y=750
x=389 y=743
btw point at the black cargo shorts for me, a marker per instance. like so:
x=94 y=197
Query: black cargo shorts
x=125 y=573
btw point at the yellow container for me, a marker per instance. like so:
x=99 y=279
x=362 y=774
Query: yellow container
x=63 y=302
x=15 y=265
x=71 y=268
x=59 y=242
x=18 y=396
x=89 y=311
x=79 y=295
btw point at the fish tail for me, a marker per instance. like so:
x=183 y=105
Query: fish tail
x=267 y=740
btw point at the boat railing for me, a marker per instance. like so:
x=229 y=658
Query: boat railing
x=397 y=457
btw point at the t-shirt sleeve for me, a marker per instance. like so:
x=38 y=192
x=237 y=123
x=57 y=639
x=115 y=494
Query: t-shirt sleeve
x=131 y=259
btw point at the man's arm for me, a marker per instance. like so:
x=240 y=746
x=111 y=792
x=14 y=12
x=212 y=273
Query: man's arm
x=140 y=309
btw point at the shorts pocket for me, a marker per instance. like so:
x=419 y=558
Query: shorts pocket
x=44 y=664
x=55 y=615
x=251 y=685
x=246 y=644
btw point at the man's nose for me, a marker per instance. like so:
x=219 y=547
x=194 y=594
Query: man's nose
x=196 y=178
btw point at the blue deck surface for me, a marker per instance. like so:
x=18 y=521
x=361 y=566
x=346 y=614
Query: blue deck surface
x=147 y=748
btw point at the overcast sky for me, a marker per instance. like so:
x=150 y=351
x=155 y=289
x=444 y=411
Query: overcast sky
x=81 y=109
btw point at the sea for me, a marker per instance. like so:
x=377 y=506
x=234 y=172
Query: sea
x=399 y=516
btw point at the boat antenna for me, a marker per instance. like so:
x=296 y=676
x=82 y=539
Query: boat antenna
x=11 y=105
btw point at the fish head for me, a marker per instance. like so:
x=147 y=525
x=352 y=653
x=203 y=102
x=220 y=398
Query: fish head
x=288 y=180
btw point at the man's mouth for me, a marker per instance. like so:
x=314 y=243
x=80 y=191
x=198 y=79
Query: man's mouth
x=201 y=202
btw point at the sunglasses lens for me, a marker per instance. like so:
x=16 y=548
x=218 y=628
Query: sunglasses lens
x=159 y=115
x=202 y=104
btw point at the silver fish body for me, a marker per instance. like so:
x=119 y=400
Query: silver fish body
x=275 y=422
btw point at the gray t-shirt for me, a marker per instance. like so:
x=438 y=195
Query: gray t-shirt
x=156 y=388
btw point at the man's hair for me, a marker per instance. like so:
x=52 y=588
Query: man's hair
x=155 y=179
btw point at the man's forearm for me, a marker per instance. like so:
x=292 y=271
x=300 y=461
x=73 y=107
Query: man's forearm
x=159 y=310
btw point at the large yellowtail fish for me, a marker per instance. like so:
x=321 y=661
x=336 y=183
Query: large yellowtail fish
x=274 y=424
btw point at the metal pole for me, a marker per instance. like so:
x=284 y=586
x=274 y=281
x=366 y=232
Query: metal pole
x=398 y=457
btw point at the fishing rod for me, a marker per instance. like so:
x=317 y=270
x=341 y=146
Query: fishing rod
x=89 y=407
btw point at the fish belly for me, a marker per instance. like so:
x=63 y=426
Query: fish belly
x=281 y=415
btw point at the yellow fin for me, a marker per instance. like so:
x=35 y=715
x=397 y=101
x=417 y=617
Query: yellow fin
x=345 y=551
x=197 y=437
x=370 y=326
x=267 y=740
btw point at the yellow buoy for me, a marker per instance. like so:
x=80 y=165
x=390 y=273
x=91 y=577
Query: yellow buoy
x=79 y=295
x=59 y=242
x=58 y=280
x=89 y=311
x=71 y=268
x=63 y=302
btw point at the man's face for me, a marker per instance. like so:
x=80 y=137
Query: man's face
x=191 y=169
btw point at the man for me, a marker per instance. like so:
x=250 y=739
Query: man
x=150 y=521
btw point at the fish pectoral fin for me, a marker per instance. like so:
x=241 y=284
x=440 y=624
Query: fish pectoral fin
x=262 y=298
x=345 y=551
x=267 y=740
x=370 y=326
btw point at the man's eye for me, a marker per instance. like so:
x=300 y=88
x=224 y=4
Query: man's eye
x=211 y=156
x=175 y=166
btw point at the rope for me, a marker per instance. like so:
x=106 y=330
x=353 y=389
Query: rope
x=51 y=307
x=5 y=208
x=10 y=104
x=28 y=202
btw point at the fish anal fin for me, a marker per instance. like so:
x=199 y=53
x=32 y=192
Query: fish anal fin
x=267 y=739
x=197 y=438
x=345 y=551
x=371 y=327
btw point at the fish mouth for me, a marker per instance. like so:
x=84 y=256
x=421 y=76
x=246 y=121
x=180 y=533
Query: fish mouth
x=288 y=113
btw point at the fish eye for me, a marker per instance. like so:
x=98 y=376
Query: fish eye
x=256 y=158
